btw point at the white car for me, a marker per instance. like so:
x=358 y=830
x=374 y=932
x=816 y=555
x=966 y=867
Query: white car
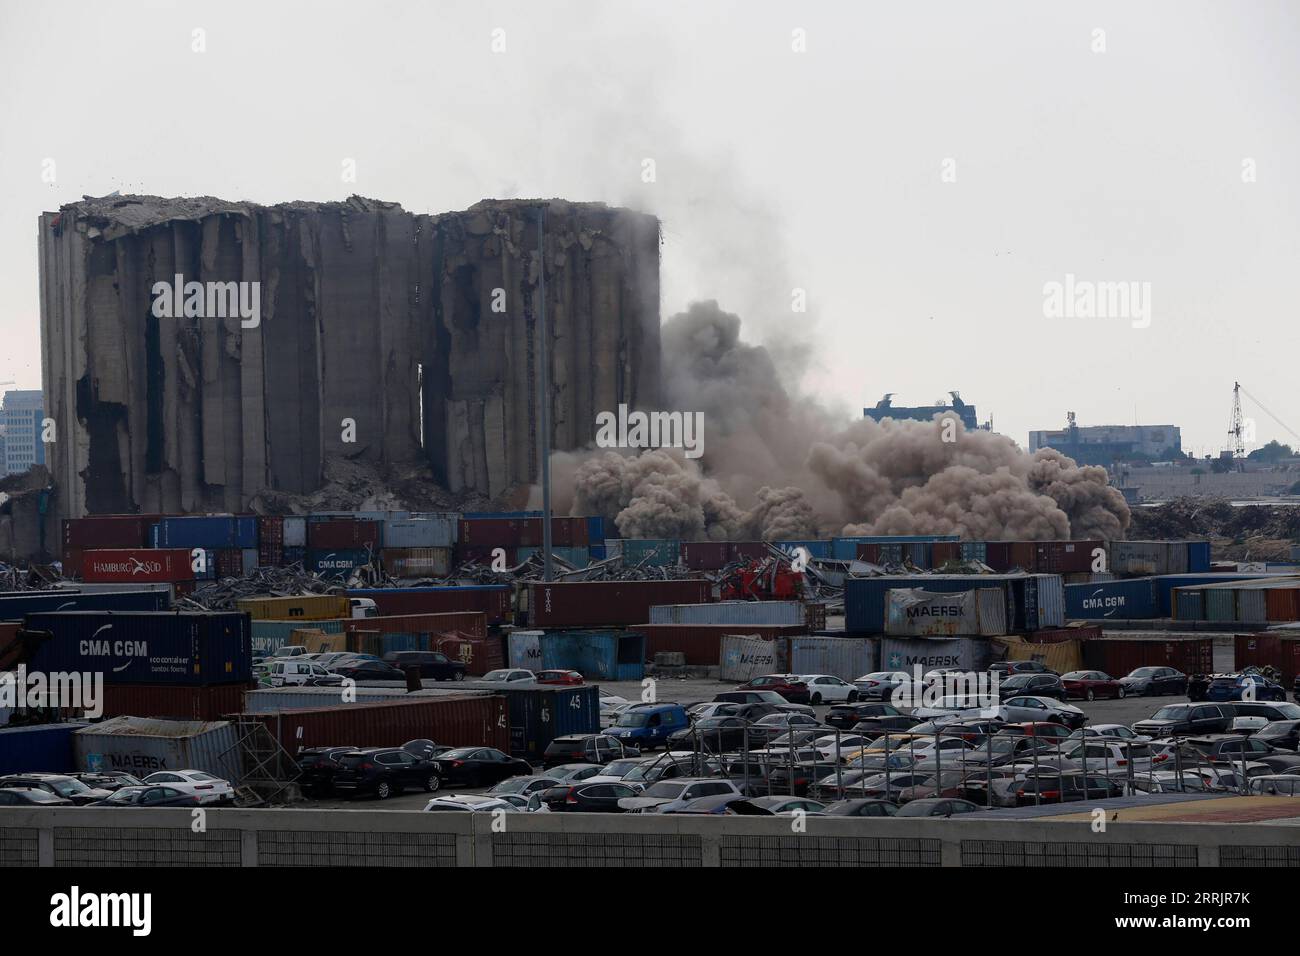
x=824 y=688
x=1103 y=755
x=609 y=713
x=1020 y=710
x=509 y=675
x=1117 y=731
x=879 y=685
x=207 y=788
x=666 y=796
x=469 y=803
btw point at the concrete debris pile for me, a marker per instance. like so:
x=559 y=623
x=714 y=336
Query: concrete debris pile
x=1251 y=532
x=225 y=593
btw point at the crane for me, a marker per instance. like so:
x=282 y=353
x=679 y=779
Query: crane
x=1236 y=427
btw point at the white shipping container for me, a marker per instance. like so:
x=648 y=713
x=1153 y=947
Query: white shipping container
x=743 y=657
x=295 y=531
x=903 y=654
x=992 y=604
x=731 y=612
x=524 y=649
x=844 y=657
x=425 y=532
x=916 y=612
x=141 y=745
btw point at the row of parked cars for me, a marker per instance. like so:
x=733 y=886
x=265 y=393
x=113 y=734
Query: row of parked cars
x=114 y=789
x=294 y=665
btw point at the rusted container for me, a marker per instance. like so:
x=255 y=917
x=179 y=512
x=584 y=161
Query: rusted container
x=486 y=554
x=941 y=552
x=270 y=541
x=492 y=600
x=417 y=562
x=456 y=720
x=748 y=551
x=522 y=532
x=137 y=564
x=344 y=534
x=706 y=555
x=11 y=651
x=1064 y=557
x=108 y=531
x=471 y=623
x=174 y=702
x=702 y=643
x=1260 y=650
x=1120 y=656
x=1283 y=604
x=607 y=603
x=480 y=655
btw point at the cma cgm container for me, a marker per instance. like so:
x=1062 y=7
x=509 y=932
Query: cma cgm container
x=16 y=607
x=455 y=720
x=540 y=714
x=159 y=647
x=206 y=531
x=492 y=599
x=45 y=747
x=607 y=603
x=702 y=643
x=174 y=702
x=1131 y=598
x=303 y=607
x=108 y=531
x=337 y=563
x=344 y=534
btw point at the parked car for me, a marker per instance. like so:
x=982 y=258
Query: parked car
x=672 y=765
x=1186 y=719
x=937 y=807
x=109 y=780
x=524 y=786
x=1089 y=685
x=316 y=768
x=564 y=678
x=1276 y=786
x=1162 y=781
x=205 y=786
x=1050 y=730
x=147 y=797
x=647 y=726
x=880 y=685
x=433 y=665
x=769 y=697
x=668 y=795
x=1069 y=786
x=585 y=797
x=1016 y=710
x=1154 y=681
x=1102 y=755
x=300 y=672
x=1000 y=750
x=574 y=771
x=788 y=686
x=1281 y=761
x=58 y=784
x=716 y=805
x=775 y=806
x=616 y=770
x=861 y=808
x=798 y=779
x=1118 y=731
x=1038 y=685
x=384 y=771
x=360 y=670
x=824 y=688
x=469 y=803
x=1008 y=668
x=32 y=797
x=1280 y=734
x=874 y=727
x=479 y=766
x=509 y=675
x=846 y=715
x=1247 y=687
x=1229 y=748
x=587 y=748
x=716 y=735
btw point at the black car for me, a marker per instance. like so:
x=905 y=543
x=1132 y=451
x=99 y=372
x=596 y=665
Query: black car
x=61 y=785
x=148 y=796
x=587 y=798
x=369 y=670
x=316 y=766
x=861 y=808
x=937 y=807
x=1280 y=734
x=1035 y=685
x=1007 y=668
x=31 y=797
x=1154 y=680
x=479 y=766
x=1068 y=787
x=796 y=781
x=1228 y=747
x=717 y=735
x=845 y=716
x=1280 y=761
x=1187 y=719
x=384 y=771
x=875 y=727
x=585 y=748
x=109 y=780
x=432 y=664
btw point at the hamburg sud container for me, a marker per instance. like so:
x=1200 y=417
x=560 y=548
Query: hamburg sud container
x=1130 y=598
x=159 y=647
x=607 y=603
x=16 y=607
x=604 y=654
x=701 y=643
x=206 y=531
x=464 y=719
x=492 y=599
x=142 y=745
x=137 y=564
x=46 y=747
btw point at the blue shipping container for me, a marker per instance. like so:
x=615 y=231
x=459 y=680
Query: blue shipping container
x=846 y=548
x=540 y=714
x=815 y=549
x=864 y=598
x=206 y=531
x=1131 y=598
x=18 y=607
x=157 y=647
x=268 y=636
x=42 y=748
x=1198 y=556
x=608 y=654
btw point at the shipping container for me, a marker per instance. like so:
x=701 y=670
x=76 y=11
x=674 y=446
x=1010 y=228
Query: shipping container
x=651 y=552
x=1189 y=604
x=864 y=598
x=607 y=603
x=906 y=654
x=1282 y=604
x=1144 y=558
x=540 y=714
x=158 y=647
x=479 y=654
x=470 y=623
x=425 y=532
x=269 y=636
x=608 y=654
x=1039 y=602
x=1088 y=632
x=1067 y=557
x=16 y=607
x=136 y=564
x=1220 y=604
x=270 y=700
x=844 y=657
x=748 y=550
x=344 y=535
x=270 y=541
x=1119 y=657
x=304 y=607
x=175 y=702
x=337 y=564
x=1165 y=584
x=431 y=562
x=207 y=531
x=846 y=548
x=295 y=531
x=498 y=531
x=453 y=719
x=1252 y=604
x=577 y=557
x=915 y=612
x=1198 y=556
x=941 y=552
x=1130 y=598
x=815 y=549
x=992 y=606
x=743 y=657
x=141 y=746
x=492 y=599
x=974 y=551
x=523 y=649
x=706 y=555
x=42 y=748
x=702 y=643
x=108 y=531
x=734 y=613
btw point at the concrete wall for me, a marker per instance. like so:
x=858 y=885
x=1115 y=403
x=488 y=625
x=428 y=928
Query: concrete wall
x=88 y=837
x=366 y=311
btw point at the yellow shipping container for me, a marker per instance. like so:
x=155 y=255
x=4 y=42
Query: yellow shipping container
x=317 y=641
x=308 y=607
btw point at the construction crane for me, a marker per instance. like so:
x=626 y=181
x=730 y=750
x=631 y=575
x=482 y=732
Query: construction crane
x=1236 y=425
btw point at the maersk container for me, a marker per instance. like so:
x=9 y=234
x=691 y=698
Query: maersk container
x=523 y=649
x=44 y=748
x=651 y=552
x=16 y=607
x=1130 y=598
x=844 y=657
x=430 y=532
x=607 y=654
x=907 y=654
x=295 y=531
x=142 y=745
x=208 y=531
x=540 y=714
x=1189 y=604
x=864 y=598
x=737 y=613
x=743 y=657
x=159 y=647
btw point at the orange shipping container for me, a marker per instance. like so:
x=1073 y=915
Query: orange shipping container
x=1282 y=604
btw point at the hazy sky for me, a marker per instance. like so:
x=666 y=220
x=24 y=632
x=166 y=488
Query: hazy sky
x=775 y=169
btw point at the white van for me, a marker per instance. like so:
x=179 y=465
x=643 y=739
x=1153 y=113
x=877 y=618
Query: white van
x=290 y=672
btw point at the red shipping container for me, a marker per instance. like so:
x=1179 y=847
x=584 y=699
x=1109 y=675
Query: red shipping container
x=1056 y=635
x=473 y=623
x=941 y=552
x=1119 y=656
x=137 y=564
x=11 y=651
x=1259 y=650
x=455 y=720
x=1064 y=557
x=344 y=534
x=480 y=655
x=72 y=559
x=486 y=554
x=172 y=702
x=108 y=531
x=490 y=533
x=608 y=603
x=494 y=602
x=1282 y=604
x=702 y=643
x=869 y=552
x=706 y=555
x=229 y=563
x=748 y=551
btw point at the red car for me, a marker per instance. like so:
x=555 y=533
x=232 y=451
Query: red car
x=1089 y=685
x=568 y=678
x=787 y=685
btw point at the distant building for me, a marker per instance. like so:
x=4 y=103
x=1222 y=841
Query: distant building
x=22 y=414
x=1106 y=444
x=885 y=408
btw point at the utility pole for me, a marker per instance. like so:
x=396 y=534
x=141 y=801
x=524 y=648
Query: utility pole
x=544 y=384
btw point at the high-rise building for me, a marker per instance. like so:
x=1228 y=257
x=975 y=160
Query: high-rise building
x=22 y=414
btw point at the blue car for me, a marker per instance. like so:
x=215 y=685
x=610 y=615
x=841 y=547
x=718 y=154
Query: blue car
x=647 y=726
x=1244 y=687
